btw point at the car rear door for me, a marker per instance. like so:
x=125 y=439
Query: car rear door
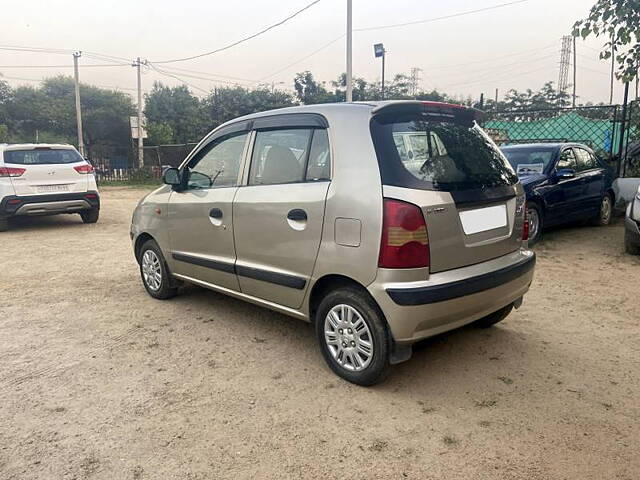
x=470 y=197
x=592 y=176
x=47 y=170
x=278 y=214
x=200 y=215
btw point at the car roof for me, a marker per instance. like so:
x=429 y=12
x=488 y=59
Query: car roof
x=331 y=109
x=548 y=146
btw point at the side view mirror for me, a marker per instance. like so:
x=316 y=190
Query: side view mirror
x=171 y=176
x=565 y=173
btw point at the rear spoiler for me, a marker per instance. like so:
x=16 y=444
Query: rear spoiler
x=441 y=109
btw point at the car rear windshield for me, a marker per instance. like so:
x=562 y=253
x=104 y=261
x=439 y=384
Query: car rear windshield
x=42 y=156
x=437 y=153
x=529 y=160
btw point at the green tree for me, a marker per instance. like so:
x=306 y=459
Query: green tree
x=309 y=91
x=227 y=103
x=619 y=21
x=159 y=133
x=176 y=108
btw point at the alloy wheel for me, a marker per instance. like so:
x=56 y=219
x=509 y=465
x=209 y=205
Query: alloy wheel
x=151 y=270
x=348 y=338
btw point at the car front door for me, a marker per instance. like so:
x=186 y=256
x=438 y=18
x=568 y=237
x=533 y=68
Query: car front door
x=278 y=215
x=563 y=197
x=593 y=180
x=200 y=216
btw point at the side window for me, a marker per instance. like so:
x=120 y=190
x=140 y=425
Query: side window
x=218 y=164
x=319 y=165
x=567 y=160
x=585 y=160
x=279 y=156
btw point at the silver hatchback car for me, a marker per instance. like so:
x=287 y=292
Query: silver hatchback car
x=381 y=223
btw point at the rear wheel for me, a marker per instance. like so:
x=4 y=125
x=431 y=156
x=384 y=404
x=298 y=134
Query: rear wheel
x=154 y=272
x=4 y=224
x=630 y=246
x=353 y=336
x=606 y=211
x=534 y=217
x=495 y=317
x=90 y=216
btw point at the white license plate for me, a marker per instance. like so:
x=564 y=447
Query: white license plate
x=52 y=188
x=483 y=219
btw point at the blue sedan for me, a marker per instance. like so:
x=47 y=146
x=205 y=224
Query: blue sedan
x=564 y=182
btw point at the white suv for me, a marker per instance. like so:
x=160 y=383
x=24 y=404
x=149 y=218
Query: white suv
x=46 y=179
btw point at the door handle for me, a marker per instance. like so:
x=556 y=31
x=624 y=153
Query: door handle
x=215 y=213
x=297 y=215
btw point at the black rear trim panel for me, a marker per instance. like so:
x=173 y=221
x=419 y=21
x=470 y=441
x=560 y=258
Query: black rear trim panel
x=469 y=286
x=7 y=209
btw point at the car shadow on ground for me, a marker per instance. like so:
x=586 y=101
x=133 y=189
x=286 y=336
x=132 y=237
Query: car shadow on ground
x=44 y=222
x=456 y=354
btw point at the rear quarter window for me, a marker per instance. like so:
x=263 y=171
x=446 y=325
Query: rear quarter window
x=438 y=153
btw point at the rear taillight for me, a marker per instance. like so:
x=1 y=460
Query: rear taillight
x=525 y=225
x=84 y=169
x=11 y=171
x=404 y=243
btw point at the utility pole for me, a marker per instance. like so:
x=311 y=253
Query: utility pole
x=138 y=64
x=573 y=103
x=349 y=52
x=481 y=101
x=76 y=75
x=613 y=50
x=496 y=104
x=379 y=51
x=623 y=124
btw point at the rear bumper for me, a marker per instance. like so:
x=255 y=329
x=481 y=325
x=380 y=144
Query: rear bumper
x=14 y=205
x=448 y=300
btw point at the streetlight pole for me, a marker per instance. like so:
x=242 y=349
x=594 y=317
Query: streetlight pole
x=349 y=52
x=379 y=51
x=76 y=75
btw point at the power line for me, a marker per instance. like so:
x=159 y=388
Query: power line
x=238 y=42
x=66 y=66
x=163 y=72
x=429 y=20
x=113 y=87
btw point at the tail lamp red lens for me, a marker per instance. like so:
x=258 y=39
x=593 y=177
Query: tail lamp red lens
x=404 y=242
x=525 y=225
x=11 y=171
x=84 y=169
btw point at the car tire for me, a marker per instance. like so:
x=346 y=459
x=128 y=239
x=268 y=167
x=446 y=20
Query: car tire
x=606 y=211
x=90 y=216
x=495 y=317
x=353 y=336
x=154 y=272
x=534 y=213
x=4 y=224
x=630 y=246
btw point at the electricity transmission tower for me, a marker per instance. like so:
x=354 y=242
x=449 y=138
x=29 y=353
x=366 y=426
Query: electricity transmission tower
x=415 y=80
x=565 y=61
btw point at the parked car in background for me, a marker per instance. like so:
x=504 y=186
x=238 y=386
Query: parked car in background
x=632 y=226
x=46 y=179
x=320 y=213
x=564 y=182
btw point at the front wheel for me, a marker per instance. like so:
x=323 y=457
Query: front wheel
x=630 y=246
x=154 y=272
x=353 y=336
x=90 y=216
x=606 y=211
x=4 y=224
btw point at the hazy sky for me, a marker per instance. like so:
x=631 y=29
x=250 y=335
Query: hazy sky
x=511 y=47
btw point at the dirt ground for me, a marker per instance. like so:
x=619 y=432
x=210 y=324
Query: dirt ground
x=99 y=381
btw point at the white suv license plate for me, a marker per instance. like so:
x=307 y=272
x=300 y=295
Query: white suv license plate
x=483 y=219
x=52 y=188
